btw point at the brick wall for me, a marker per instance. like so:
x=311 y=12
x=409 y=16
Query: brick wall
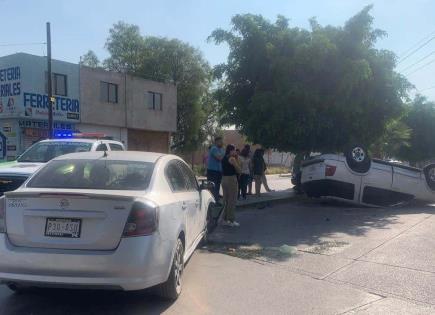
x=151 y=141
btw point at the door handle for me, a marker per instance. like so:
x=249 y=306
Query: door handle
x=183 y=206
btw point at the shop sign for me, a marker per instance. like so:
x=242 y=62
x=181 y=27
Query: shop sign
x=43 y=124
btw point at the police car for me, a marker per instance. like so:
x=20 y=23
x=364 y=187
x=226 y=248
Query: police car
x=14 y=173
x=355 y=177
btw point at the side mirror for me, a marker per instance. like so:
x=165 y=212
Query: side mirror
x=206 y=185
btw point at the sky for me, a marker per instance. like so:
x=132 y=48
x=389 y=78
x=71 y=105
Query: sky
x=80 y=25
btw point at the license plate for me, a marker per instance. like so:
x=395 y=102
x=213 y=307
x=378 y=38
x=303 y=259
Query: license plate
x=63 y=227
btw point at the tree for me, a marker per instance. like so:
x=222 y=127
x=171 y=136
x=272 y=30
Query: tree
x=90 y=59
x=170 y=61
x=307 y=90
x=396 y=137
x=420 y=118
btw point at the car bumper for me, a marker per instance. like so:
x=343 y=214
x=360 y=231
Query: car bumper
x=137 y=263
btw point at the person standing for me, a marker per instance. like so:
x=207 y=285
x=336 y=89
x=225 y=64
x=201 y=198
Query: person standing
x=259 y=171
x=245 y=165
x=230 y=170
x=251 y=176
x=214 y=166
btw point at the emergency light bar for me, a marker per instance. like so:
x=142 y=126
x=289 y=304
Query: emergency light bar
x=80 y=135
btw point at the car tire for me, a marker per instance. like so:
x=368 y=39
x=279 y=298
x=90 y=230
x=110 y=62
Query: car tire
x=171 y=289
x=429 y=174
x=19 y=289
x=357 y=159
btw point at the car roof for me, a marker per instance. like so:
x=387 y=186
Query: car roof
x=82 y=140
x=115 y=155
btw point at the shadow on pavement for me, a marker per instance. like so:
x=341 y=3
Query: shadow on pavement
x=303 y=225
x=69 y=302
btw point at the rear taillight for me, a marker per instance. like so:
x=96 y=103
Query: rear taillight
x=143 y=219
x=330 y=170
x=2 y=214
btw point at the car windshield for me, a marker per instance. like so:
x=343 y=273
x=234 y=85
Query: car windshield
x=43 y=152
x=94 y=174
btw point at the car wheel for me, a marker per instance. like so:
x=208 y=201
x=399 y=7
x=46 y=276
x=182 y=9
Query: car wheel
x=357 y=159
x=171 y=289
x=19 y=289
x=429 y=174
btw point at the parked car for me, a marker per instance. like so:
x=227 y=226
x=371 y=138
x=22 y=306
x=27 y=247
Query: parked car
x=357 y=178
x=14 y=173
x=112 y=220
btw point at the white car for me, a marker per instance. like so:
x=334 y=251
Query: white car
x=109 y=220
x=356 y=178
x=14 y=173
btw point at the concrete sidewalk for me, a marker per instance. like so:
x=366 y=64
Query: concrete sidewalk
x=283 y=190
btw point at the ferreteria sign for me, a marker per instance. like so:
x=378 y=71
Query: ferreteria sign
x=18 y=99
x=9 y=82
x=36 y=106
x=10 y=90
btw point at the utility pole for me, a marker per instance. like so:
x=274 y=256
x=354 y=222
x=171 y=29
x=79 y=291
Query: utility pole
x=49 y=84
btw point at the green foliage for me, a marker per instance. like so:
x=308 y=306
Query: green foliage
x=307 y=90
x=90 y=59
x=396 y=137
x=420 y=118
x=170 y=61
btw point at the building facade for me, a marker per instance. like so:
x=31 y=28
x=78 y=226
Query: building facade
x=138 y=112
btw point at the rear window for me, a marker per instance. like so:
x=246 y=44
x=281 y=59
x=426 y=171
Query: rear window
x=45 y=151
x=94 y=174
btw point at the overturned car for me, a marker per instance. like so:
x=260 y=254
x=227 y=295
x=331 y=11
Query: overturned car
x=357 y=178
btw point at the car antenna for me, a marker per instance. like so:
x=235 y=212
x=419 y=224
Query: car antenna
x=105 y=149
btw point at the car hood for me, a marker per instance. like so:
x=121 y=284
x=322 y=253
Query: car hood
x=19 y=168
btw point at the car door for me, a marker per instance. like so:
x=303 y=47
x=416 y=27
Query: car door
x=198 y=213
x=376 y=185
x=185 y=200
x=193 y=202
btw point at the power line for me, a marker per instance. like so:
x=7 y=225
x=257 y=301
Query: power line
x=417 y=49
x=420 y=60
x=423 y=66
x=20 y=44
x=416 y=44
x=429 y=88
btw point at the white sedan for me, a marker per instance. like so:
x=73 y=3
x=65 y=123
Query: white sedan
x=356 y=178
x=110 y=220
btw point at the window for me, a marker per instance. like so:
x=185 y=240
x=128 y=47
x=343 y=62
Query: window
x=45 y=151
x=108 y=92
x=58 y=83
x=116 y=147
x=154 y=101
x=94 y=174
x=192 y=184
x=175 y=177
x=101 y=147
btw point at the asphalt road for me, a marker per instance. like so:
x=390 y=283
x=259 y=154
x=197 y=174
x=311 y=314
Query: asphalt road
x=337 y=260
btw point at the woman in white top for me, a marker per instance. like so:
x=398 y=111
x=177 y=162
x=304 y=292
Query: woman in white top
x=245 y=165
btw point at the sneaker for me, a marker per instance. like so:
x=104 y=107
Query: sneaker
x=235 y=224
x=227 y=223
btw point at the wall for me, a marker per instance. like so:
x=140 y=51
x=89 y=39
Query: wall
x=151 y=141
x=118 y=133
x=94 y=111
x=138 y=114
x=131 y=110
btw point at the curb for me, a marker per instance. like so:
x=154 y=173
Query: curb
x=266 y=201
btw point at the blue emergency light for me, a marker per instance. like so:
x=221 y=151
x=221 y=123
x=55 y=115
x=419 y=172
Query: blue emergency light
x=62 y=135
